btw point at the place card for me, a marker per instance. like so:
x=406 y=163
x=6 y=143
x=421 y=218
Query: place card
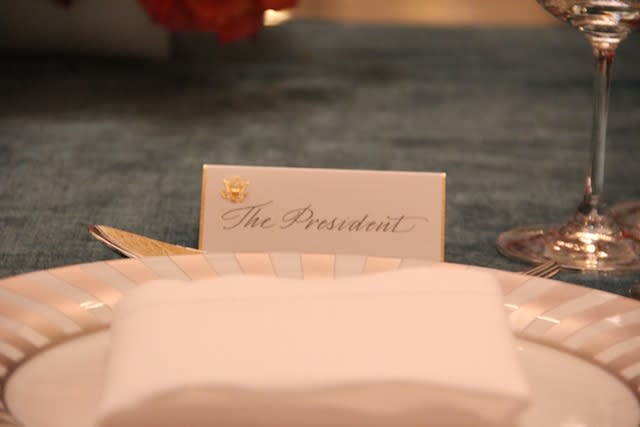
x=275 y=209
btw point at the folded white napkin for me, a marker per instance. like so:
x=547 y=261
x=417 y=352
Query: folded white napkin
x=420 y=347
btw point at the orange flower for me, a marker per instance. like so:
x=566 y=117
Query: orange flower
x=230 y=19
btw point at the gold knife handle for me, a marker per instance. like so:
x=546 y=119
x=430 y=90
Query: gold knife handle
x=133 y=245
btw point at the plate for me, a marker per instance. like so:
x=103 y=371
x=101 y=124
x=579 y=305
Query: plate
x=579 y=347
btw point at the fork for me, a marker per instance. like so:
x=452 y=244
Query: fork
x=547 y=269
x=551 y=268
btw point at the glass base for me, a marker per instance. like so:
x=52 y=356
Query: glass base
x=627 y=215
x=588 y=242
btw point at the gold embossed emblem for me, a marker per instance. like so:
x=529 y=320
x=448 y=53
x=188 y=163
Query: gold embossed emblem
x=235 y=189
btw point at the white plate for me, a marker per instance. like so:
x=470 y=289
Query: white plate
x=580 y=347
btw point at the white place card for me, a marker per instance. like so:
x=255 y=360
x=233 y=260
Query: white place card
x=375 y=213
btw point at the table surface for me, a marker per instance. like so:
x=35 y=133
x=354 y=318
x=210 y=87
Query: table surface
x=504 y=112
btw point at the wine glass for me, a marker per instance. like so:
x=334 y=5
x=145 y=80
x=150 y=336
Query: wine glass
x=627 y=214
x=591 y=239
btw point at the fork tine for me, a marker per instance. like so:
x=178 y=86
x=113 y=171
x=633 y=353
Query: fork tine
x=546 y=269
x=551 y=271
x=535 y=270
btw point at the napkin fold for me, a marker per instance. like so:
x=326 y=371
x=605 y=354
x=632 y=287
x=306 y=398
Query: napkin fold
x=418 y=347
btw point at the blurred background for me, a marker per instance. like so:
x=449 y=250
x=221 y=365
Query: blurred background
x=121 y=28
x=433 y=12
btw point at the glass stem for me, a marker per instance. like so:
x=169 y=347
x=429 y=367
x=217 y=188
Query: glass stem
x=594 y=184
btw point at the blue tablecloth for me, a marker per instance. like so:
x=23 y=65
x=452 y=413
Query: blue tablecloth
x=505 y=112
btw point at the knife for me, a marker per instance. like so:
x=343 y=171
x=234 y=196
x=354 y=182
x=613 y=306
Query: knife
x=133 y=245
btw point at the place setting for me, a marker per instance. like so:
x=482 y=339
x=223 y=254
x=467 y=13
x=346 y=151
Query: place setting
x=252 y=336
x=322 y=296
